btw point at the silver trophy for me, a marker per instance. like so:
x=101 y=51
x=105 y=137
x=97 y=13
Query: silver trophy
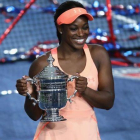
x=52 y=94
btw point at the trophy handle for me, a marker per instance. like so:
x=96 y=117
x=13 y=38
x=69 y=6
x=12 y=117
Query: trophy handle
x=33 y=81
x=71 y=79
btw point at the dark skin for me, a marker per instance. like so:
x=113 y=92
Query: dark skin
x=72 y=60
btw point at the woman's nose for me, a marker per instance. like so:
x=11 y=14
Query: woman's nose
x=80 y=32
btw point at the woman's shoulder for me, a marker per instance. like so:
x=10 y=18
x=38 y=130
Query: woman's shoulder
x=98 y=53
x=38 y=64
x=41 y=60
x=96 y=48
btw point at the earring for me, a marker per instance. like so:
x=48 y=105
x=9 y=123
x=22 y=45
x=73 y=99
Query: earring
x=60 y=32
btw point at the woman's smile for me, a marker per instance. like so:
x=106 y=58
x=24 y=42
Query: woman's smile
x=79 y=41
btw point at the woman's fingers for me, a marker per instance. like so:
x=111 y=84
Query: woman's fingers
x=23 y=86
x=81 y=84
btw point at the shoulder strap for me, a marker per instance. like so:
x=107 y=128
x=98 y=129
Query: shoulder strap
x=54 y=51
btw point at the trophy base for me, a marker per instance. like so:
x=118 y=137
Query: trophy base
x=52 y=116
x=54 y=119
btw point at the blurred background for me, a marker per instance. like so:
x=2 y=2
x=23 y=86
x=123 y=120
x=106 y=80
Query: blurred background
x=27 y=30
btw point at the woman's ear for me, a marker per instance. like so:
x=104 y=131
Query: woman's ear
x=59 y=27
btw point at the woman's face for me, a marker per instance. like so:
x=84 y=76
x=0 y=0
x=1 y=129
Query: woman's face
x=76 y=33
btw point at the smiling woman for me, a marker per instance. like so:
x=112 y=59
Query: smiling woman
x=94 y=85
x=75 y=33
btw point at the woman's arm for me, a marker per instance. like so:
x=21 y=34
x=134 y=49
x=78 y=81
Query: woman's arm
x=34 y=112
x=104 y=97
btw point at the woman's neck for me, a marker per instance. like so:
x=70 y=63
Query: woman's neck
x=67 y=51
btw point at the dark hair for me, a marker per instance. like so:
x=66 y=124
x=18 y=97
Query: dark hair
x=61 y=9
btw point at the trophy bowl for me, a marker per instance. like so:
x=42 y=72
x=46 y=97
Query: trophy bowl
x=52 y=93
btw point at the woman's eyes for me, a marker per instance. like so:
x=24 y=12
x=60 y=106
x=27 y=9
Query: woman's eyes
x=75 y=28
x=86 y=27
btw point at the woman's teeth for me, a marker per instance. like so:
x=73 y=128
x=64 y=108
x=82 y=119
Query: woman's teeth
x=79 y=40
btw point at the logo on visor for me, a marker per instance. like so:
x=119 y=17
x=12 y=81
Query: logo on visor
x=77 y=10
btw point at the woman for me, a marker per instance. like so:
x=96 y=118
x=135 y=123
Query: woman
x=90 y=63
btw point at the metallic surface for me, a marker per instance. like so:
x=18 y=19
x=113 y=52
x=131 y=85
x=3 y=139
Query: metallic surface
x=52 y=84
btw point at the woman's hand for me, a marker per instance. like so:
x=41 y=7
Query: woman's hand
x=23 y=86
x=81 y=84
